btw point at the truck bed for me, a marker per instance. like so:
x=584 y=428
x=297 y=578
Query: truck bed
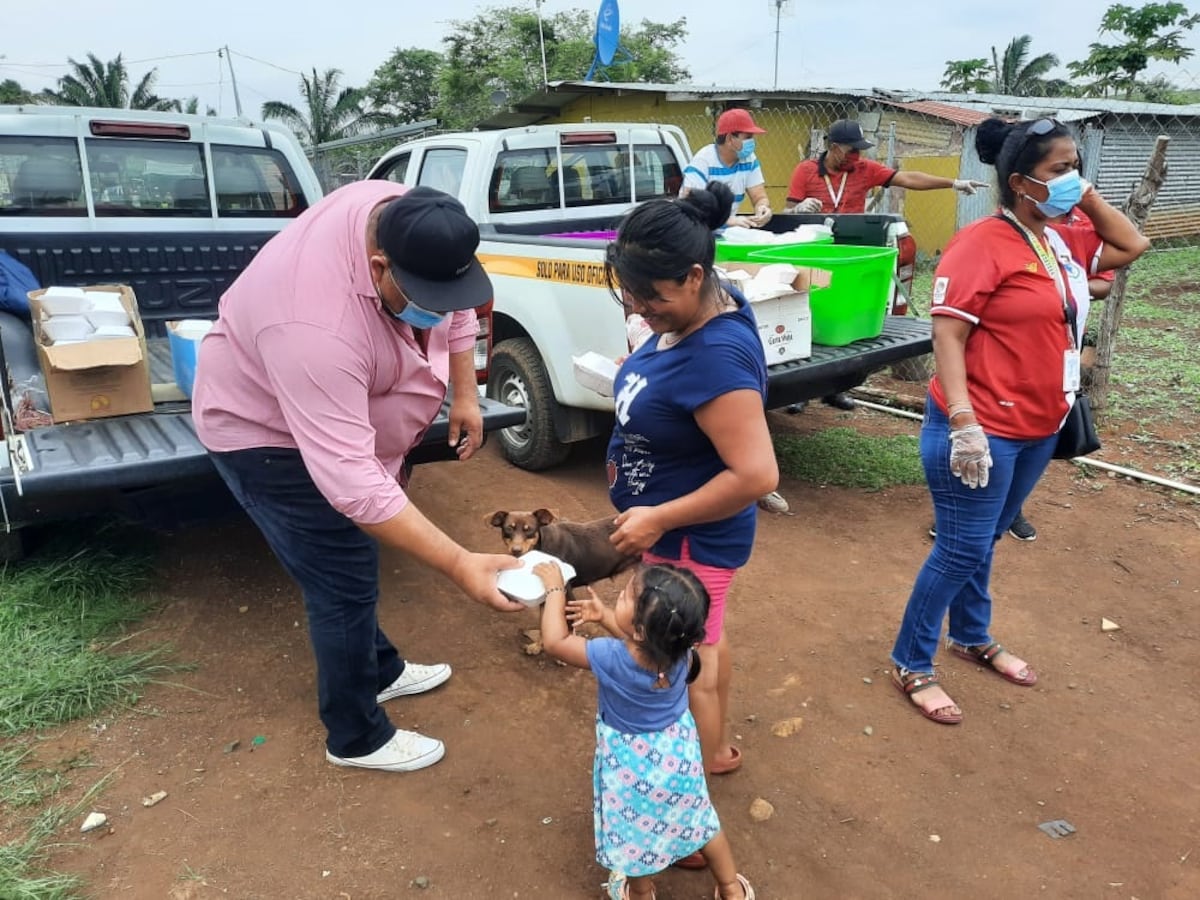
x=149 y=464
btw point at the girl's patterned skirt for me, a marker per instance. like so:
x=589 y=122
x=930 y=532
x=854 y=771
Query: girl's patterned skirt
x=651 y=800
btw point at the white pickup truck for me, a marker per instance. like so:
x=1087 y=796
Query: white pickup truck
x=537 y=192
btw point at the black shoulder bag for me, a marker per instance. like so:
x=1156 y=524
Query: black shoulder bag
x=1077 y=436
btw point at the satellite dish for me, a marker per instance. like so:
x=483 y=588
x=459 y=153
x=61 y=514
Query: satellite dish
x=608 y=38
x=608 y=31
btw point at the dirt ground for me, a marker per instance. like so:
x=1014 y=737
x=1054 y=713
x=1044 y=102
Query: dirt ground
x=870 y=800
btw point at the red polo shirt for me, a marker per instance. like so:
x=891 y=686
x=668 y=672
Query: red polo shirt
x=808 y=180
x=989 y=276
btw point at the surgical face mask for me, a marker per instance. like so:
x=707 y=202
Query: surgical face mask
x=413 y=315
x=747 y=149
x=1063 y=194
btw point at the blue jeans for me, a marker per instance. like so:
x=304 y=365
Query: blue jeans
x=958 y=570
x=336 y=565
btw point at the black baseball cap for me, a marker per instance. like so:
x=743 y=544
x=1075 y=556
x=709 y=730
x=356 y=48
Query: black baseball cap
x=431 y=242
x=847 y=131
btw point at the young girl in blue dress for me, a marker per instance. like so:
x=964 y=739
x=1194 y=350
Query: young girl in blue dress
x=651 y=803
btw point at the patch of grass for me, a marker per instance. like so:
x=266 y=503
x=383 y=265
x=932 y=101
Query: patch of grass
x=843 y=457
x=62 y=618
x=64 y=615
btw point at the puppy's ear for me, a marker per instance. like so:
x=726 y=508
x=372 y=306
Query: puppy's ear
x=544 y=516
x=497 y=518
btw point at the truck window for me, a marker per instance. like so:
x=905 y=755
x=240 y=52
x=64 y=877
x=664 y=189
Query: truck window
x=40 y=177
x=255 y=182
x=142 y=178
x=524 y=180
x=397 y=169
x=442 y=168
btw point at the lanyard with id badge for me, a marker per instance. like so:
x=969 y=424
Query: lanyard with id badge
x=1071 y=368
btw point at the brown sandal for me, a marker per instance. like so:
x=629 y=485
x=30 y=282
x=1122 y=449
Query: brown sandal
x=985 y=655
x=909 y=683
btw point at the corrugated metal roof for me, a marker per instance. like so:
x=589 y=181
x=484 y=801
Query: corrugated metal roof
x=962 y=109
x=1083 y=106
x=956 y=114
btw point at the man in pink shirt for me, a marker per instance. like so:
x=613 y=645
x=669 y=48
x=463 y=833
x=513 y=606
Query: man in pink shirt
x=329 y=360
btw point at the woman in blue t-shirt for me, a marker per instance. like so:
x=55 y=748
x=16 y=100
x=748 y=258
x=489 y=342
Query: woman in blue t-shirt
x=651 y=803
x=690 y=453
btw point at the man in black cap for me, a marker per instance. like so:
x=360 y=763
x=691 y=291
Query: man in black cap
x=839 y=180
x=329 y=360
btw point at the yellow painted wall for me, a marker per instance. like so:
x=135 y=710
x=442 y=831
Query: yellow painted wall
x=931 y=215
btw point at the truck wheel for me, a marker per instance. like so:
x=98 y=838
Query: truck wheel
x=519 y=378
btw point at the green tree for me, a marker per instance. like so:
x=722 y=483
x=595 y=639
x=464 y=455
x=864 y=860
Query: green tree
x=12 y=92
x=1016 y=74
x=331 y=112
x=1115 y=67
x=405 y=87
x=967 y=76
x=497 y=56
x=98 y=83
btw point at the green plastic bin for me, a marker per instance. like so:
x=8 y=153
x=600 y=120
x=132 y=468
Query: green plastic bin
x=727 y=252
x=855 y=303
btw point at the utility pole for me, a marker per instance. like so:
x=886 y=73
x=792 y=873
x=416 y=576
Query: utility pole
x=778 y=10
x=542 y=42
x=237 y=101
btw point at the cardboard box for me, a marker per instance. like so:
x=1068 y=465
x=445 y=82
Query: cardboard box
x=99 y=378
x=784 y=320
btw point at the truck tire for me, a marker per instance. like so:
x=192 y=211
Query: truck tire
x=518 y=377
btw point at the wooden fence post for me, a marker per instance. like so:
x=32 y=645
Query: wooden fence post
x=1137 y=208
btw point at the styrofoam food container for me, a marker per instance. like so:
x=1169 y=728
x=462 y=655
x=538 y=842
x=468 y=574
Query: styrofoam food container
x=595 y=372
x=64 y=301
x=102 y=317
x=106 y=300
x=524 y=586
x=109 y=332
x=67 y=328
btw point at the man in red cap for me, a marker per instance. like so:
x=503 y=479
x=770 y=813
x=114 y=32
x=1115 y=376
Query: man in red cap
x=731 y=159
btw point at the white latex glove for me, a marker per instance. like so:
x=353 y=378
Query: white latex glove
x=742 y=222
x=809 y=205
x=970 y=457
x=968 y=187
x=762 y=214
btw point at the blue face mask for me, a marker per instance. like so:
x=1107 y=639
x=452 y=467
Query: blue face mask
x=747 y=149
x=1063 y=194
x=412 y=315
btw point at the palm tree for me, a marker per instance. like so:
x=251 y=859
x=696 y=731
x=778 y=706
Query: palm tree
x=964 y=76
x=331 y=114
x=1017 y=75
x=97 y=83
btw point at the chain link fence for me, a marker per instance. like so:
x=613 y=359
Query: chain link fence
x=1115 y=138
x=935 y=135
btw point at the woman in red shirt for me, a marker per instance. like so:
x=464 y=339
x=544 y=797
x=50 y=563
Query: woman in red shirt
x=1007 y=366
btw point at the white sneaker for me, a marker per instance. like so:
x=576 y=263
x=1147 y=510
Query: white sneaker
x=415 y=679
x=406 y=751
x=773 y=502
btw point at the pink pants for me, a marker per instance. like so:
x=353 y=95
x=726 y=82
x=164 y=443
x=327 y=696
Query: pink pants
x=715 y=580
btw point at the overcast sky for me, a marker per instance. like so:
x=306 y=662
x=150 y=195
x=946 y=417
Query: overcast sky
x=864 y=43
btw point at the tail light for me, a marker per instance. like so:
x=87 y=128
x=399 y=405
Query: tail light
x=906 y=263
x=483 y=342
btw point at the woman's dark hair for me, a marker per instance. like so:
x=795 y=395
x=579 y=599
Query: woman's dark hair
x=670 y=611
x=660 y=240
x=1015 y=147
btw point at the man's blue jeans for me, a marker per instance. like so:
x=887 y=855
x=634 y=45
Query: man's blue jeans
x=958 y=570
x=336 y=565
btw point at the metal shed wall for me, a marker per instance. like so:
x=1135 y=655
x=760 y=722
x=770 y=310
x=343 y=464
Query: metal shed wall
x=1125 y=149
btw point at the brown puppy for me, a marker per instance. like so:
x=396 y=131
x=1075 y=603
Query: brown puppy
x=585 y=545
